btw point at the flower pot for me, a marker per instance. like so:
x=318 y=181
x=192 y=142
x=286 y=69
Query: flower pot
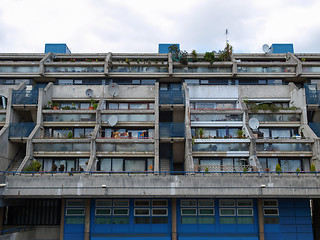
x=55 y=108
x=91 y=108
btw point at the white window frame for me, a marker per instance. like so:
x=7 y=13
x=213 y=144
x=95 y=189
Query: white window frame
x=82 y=201
x=277 y=204
x=120 y=214
x=223 y=215
x=116 y=200
x=142 y=205
x=182 y=214
x=202 y=200
x=267 y=214
x=96 y=214
x=184 y=200
x=73 y=215
x=199 y=210
x=103 y=206
x=239 y=200
x=160 y=214
x=241 y=215
x=159 y=200
x=141 y=215
x=228 y=200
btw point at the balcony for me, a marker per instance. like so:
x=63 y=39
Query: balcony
x=171 y=130
x=2 y=117
x=225 y=168
x=25 y=96
x=171 y=97
x=129 y=117
x=193 y=69
x=21 y=130
x=284 y=147
x=312 y=94
x=266 y=69
x=139 y=69
x=276 y=117
x=221 y=147
x=67 y=146
x=69 y=117
x=125 y=147
x=211 y=117
x=19 y=69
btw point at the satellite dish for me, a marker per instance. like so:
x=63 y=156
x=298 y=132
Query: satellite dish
x=89 y=93
x=113 y=89
x=253 y=123
x=112 y=120
x=265 y=48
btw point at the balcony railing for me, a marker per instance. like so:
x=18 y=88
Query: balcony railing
x=22 y=129
x=315 y=126
x=69 y=117
x=287 y=147
x=25 y=96
x=276 y=117
x=122 y=147
x=312 y=94
x=144 y=69
x=215 y=117
x=61 y=147
x=74 y=69
x=224 y=168
x=202 y=70
x=19 y=69
x=129 y=117
x=266 y=69
x=171 y=97
x=172 y=129
x=220 y=147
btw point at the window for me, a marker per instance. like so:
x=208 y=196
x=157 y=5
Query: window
x=227 y=212
x=244 y=203
x=227 y=203
x=120 y=211
x=188 y=203
x=245 y=212
x=188 y=211
x=103 y=203
x=75 y=212
x=120 y=203
x=141 y=212
x=206 y=211
x=75 y=203
x=197 y=211
x=159 y=212
x=142 y=203
x=159 y=203
x=271 y=211
x=103 y=211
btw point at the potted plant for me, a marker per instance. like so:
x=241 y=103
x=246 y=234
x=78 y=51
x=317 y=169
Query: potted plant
x=95 y=105
x=61 y=168
x=55 y=106
x=73 y=106
x=278 y=168
x=54 y=168
x=312 y=168
x=92 y=102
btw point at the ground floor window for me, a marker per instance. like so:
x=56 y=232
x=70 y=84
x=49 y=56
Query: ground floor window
x=63 y=164
x=125 y=164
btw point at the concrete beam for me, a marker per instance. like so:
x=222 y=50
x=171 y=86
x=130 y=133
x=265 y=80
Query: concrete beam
x=248 y=185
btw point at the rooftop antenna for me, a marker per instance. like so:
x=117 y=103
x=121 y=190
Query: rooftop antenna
x=227 y=35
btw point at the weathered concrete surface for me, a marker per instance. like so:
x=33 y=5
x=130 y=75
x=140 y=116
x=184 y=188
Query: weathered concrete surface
x=228 y=185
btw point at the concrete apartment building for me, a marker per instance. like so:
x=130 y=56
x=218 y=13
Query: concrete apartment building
x=140 y=146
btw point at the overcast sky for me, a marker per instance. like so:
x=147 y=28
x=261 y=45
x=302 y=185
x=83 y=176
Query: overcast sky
x=140 y=25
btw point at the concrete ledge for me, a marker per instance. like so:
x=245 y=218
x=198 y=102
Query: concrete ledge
x=206 y=185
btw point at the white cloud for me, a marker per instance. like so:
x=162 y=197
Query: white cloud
x=140 y=25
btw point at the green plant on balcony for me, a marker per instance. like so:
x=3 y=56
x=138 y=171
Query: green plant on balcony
x=73 y=106
x=55 y=105
x=66 y=108
x=225 y=54
x=95 y=105
x=34 y=166
x=194 y=56
x=312 y=168
x=278 y=168
x=70 y=135
x=206 y=170
x=92 y=102
x=240 y=133
x=209 y=57
x=200 y=133
x=298 y=170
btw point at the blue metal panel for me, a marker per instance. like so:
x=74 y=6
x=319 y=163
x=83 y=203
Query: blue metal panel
x=287 y=212
x=281 y=48
x=163 y=47
x=305 y=203
x=273 y=236
x=272 y=228
x=56 y=48
x=171 y=129
x=22 y=129
x=304 y=228
x=287 y=220
x=303 y=212
x=303 y=220
x=288 y=228
x=305 y=236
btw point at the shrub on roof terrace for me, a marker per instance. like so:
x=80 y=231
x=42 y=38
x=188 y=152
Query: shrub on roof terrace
x=34 y=166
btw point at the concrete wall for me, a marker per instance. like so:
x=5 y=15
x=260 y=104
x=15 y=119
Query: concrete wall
x=213 y=92
x=4 y=90
x=133 y=92
x=265 y=91
x=208 y=185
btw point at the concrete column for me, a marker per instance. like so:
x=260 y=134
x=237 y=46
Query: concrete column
x=170 y=63
x=174 y=219
x=260 y=219
x=156 y=165
x=87 y=221
x=63 y=204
